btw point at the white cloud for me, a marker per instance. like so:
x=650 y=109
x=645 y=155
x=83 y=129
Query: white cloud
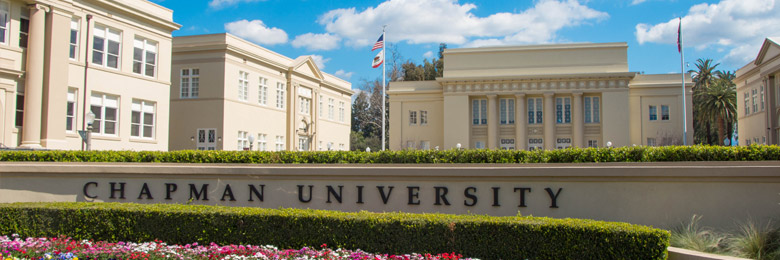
x=320 y=61
x=428 y=55
x=636 y=2
x=218 y=4
x=257 y=32
x=343 y=74
x=738 y=26
x=317 y=42
x=436 y=21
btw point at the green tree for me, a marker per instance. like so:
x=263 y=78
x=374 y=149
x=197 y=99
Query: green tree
x=718 y=105
x=703 y=78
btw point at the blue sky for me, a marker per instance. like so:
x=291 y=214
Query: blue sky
x=340 y=33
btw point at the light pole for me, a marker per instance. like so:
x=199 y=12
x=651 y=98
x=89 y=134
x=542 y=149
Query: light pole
x=251 y=141
x=86 y=135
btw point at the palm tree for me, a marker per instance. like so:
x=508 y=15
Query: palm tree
x=718 y=103
x=704 y=75
x=702 y=79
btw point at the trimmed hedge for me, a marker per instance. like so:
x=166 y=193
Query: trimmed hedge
x=575 y=155
x=480 y=236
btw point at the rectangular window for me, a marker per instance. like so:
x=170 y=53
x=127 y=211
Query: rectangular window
x=479 y=145
x=535 y=111
x=19 y=109
x=342 y=147
x=653 y=113
x=262 y=92
x=412 y=117
x=305 y=104
x=106 y=43
x=74 y=39
x=425 y=145
x=479 y=111
x=341 y=111
x=279 y=143
x=507 y=111
x=330 y=108
x=262 y=145
x=593 y=143
x=409 y=145
x=651 y=142
x=762 y=98
x=243 y=85
x=144 y=57
x=596 y=114
x=303 y=143
x=320 y=107
x=747 y=103
x=563 y=110
x=280 y=95
x=190 y=83
x=5 y=8
x=591 y=109
x=423 y=117
x=70 y=115
x=664 y=112
x=142 y=119
x=242 y=141
x=24 y=26
x=106 y=110
x=755 y=100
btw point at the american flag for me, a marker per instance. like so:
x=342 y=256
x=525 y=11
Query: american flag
x=380 y=43
x=679 y=37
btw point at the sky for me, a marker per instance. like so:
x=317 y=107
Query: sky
x=339 y=34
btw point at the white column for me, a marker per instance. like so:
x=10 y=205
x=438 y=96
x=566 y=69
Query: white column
x=521 y=118
x=492 y=142
x=33 y=88
x=577 y=127
x=549 y=121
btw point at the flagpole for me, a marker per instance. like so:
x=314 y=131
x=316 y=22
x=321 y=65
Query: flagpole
x=383 y=85
x=682 y=70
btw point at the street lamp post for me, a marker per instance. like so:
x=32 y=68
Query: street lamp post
x=86 y=135
x=251 y=141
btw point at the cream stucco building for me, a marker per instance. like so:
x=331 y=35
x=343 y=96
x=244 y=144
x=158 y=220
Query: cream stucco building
x=225 y=89
x=44 y=87
x=539 y=97
x=758 y=96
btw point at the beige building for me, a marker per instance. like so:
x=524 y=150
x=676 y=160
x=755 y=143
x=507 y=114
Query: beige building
x=539 y=97
x=227 y=91
x=758 y=96
x=44 y=86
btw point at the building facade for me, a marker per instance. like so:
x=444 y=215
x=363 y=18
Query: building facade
x=539 y=97
x=59 y=56
x=758 y=96
x=227 y=91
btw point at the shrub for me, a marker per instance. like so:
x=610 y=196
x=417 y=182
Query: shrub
x=480 y=236
x=695 y=237
x=574 y=155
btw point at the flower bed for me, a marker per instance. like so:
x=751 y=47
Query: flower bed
x=65 y=248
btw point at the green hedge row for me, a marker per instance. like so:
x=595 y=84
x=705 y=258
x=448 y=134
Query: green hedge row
x=576 y=155
x=480 y=236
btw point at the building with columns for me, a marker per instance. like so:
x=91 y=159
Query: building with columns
x=59 y=56
x=227 y=91
x=539 y=97
x=758 y=96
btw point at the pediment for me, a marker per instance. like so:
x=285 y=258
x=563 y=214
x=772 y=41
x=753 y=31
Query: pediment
x=306 y=65
x=769 y=50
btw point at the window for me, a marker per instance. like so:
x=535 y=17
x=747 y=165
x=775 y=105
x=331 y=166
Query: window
x=535 y=111
x=653 y=113
x=280 y=95
x=303 y=143
x=279 y=143
x=105 y=47
x=330 y=146
x=144 y=57
x=190 y=83
x=651 y=142
x=19 y=109
x=74 y=39
x=243 y=85
x=423 y=117
x=207 y=139
x=262 y=91
x=479 y=145
x=4 y=21
x=747 y=106
x=763 y=139
x=342 y=110
x=591 y=109
x=142 y=119
x=563 y=143
x=563 y=110
x=479 y=111
x=507 y=111
x=24 y=26
x=70 y=114
x=320 y=107
x=305 y=104
x=755 y=100
x=425 y=145
x=409 y=144
x=106 y=110
x=330 y=108
x=242 y=141
x=341 y=147
x=665 y=112
x=535 y=144
x=412 y=117
x=319 y=146
x=261 y=143
x=593 y=143
x=762 y=98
